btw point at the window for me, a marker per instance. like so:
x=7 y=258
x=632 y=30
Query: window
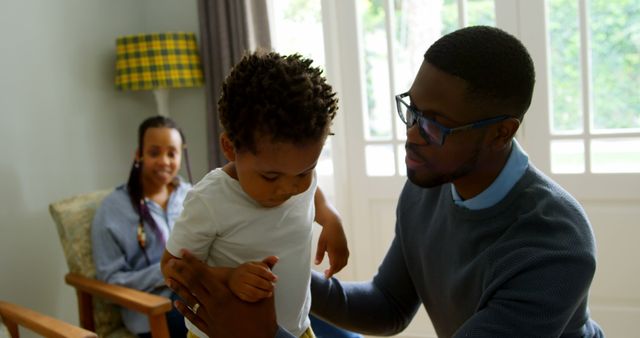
x=297 y=28
x=583 y=127
x=594 y=52
x=408 y=26
x=590 y=51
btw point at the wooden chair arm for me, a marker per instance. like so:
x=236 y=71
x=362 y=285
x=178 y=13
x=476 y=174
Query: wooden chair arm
x=136 y=300
x=14 y=315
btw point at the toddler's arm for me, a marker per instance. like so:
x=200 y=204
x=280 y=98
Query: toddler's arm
x=332 y=238
x=166 y=256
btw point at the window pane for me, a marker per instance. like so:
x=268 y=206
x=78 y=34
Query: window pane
x=449 y=16
x=481 y=12
x=615 y=45
x=402 y=167
x=380 y=160
x=567 y=157
x=401 y=128
x=298 y=29
x=376 y=69
x=564 y=39
x=325 y=162
x=615 y=155
x=417 y=26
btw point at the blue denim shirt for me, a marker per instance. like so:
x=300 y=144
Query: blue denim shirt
x=117 y=255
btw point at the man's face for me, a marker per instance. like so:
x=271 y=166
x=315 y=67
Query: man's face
x=442 y=97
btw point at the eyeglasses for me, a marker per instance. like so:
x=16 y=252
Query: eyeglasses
x=430 y=130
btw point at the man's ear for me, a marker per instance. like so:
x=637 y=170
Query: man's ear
x=504 y=132
x=228 y=149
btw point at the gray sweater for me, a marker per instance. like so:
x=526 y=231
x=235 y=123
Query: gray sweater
x=521 y=268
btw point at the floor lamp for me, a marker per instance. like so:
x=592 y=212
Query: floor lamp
x=158 y=62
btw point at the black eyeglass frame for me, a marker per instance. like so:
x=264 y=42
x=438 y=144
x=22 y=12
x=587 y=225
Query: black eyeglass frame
x=424 y=122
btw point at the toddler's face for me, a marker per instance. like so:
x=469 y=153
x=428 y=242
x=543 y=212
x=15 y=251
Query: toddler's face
x=278 y=170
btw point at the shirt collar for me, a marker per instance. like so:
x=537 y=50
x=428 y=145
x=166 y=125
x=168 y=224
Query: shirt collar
x=516 y=165
x=175 y=198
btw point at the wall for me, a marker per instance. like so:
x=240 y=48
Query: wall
x=65 y=129
x=187 y=106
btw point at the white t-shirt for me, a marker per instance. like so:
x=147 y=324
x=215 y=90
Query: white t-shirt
x=222 y=225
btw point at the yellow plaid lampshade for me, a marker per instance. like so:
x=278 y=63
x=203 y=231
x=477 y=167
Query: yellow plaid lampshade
x=158 y=60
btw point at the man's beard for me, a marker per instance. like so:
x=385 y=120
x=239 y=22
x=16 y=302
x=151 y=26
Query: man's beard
x=431 y=179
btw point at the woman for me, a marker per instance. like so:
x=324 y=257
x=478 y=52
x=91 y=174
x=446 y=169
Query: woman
x=132 y=224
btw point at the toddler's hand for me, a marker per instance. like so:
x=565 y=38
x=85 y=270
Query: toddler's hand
x=253 y=281
x=333 y=241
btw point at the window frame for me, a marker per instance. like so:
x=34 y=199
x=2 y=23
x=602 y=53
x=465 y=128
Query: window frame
x=529 y=24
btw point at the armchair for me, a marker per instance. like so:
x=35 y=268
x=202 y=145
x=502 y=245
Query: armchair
x=98 y=301
x=14 y=315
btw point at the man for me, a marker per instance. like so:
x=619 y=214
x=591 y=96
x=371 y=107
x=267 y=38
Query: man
x=489 y=245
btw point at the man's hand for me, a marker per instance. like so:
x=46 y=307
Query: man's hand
x=253 y=281
x=211 y=306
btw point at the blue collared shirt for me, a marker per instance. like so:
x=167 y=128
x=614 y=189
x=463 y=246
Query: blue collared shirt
x=513 y=170
x=116 y=252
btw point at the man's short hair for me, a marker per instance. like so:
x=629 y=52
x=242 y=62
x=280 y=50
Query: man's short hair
x=496 y=66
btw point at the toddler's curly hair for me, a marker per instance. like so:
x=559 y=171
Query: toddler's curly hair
x=282 y=98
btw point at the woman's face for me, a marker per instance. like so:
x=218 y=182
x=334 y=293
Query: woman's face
x=160 y=156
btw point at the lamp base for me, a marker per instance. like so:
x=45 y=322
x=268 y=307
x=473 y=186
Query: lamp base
x=162 y=101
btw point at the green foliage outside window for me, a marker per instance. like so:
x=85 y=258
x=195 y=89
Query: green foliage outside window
x=615 y=56
x=373 y=20
x=615 y=41
x=615 y=62
x=564 y=39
